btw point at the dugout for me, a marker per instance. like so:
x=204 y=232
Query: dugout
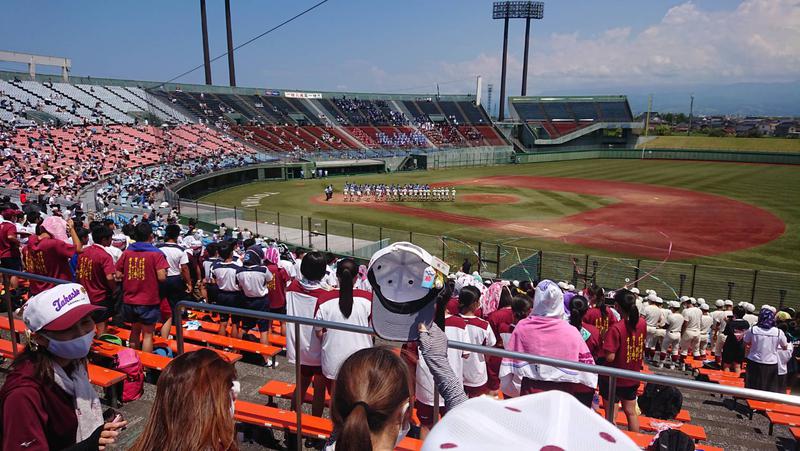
x=352 y=167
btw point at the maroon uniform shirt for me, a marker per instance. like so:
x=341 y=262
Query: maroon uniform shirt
x=94 y=267
x=48 y=257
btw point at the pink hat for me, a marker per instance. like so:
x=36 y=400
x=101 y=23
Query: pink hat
x=56 y=227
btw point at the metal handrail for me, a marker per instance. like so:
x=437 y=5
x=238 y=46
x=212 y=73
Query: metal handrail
x=612 y=373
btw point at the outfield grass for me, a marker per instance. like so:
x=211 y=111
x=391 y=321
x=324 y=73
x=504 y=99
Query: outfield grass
x=772 y=187
x=779 y=145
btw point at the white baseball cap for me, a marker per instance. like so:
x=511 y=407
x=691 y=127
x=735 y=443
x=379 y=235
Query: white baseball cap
x=684 y=299
x=658 y=300
x=635 y=290
x=543 y=421
x=719 y=303
x=57 y=308
x=396 y=275
x=728 y=302
x=704 y=307
x=701 y=301
x=750 y=308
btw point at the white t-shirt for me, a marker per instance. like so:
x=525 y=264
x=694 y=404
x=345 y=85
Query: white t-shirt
x=253 y=281
x=480 y=333
x=175 y=256
x=289 y=267
x=338 y=345
x=764 y=344
x=750 y=318
x=301 y=300
x=455 y=328
x=692 y=316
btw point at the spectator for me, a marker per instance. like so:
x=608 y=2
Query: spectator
x=96 y=272
x=502 y=322
x=254 y=279
x=466 y=266
x=47 y=401
x=599 y=315
x=479 y=333
x=194 y=405
x=764 y=340
x=624 y=346
x=48 y=253
x=10 y=256
x=178 y=284
x=228 y=291
x=343 y=305
x=578 y=306
x=371 y=405
x=277 y=286
x=302 y=297
x=733 y=350
x=536 y=335
x=140 y=269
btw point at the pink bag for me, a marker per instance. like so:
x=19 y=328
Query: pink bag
x=133 y=386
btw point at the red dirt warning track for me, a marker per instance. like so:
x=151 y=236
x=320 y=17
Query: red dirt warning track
x=643 y=222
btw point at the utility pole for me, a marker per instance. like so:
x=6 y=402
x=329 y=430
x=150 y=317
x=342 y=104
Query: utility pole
x=691 y=110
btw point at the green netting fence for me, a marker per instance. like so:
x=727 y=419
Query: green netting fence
x=669 y=279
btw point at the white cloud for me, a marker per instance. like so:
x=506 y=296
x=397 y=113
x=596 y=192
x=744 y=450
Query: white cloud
x=758 y=40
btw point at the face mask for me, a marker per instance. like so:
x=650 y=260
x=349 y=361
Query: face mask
x=235 y=390
x=405 y=426
x=74 y=349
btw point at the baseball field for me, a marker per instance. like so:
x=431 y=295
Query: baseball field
x=726 y=214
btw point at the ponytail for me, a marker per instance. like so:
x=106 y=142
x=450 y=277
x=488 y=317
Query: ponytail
x=626 y=301
x=578 y=306
x=346 y=271
x=355 y=433
x=598 y=297
x=373 y=383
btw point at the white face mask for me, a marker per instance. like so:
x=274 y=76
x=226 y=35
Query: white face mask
x=405 y=426
x=235 y=390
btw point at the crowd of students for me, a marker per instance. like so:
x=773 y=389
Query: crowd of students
x=131 y=276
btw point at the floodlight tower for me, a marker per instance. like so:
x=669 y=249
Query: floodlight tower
x=515 y=10
x=204 y=26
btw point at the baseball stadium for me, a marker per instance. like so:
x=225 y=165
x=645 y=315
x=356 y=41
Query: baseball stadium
x=257 y=220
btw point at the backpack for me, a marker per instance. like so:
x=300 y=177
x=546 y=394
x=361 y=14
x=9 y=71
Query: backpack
x=671 y=440
x=111 y=338
x=133 y=386
x=660 y=401
x=163 y=351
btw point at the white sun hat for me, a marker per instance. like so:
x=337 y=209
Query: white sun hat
x=402 y=279
x=543 y=421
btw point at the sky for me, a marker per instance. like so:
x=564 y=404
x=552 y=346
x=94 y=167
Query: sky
x=580 y=47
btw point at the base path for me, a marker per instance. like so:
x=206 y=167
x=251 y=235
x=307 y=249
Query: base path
x=643 y=222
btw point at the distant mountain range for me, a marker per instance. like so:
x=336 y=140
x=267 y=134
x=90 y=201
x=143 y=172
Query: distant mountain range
x=743 y=99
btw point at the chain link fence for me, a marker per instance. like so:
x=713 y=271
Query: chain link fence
x=669 y=279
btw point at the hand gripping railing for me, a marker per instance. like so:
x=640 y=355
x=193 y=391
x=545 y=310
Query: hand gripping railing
x=612 y=373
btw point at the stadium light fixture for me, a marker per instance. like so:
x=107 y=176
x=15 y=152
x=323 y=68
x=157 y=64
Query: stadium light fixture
x=515 y=10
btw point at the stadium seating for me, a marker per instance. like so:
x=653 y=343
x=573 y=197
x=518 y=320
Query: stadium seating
x=555 y=117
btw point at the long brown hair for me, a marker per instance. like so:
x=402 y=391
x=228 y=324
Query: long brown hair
x=372 y=384
x=191 y=411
